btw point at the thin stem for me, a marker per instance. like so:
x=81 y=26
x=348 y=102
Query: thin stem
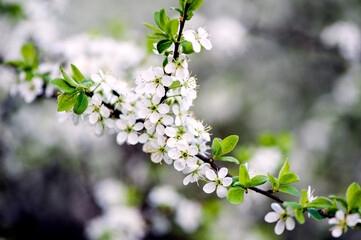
x=183 y=20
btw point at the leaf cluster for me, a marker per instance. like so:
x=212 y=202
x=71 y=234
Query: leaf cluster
x=221 y=147
x=74 y=91
x=285 y=177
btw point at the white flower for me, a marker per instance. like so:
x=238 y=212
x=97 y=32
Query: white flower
x=153 y=81
x=340 y=222
x=184 y=155
x=177 y=134
x=179 y=67
x=152 y=109
x=195 y=173
x=283 y=218
x=96 y=110
x=197 y=39
x=158 y=149
x=29 y=90
x=219 y=181
x=198 y=130
x=128 y=130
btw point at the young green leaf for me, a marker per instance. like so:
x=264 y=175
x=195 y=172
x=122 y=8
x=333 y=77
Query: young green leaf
x=63 y=85
x=178 y=10
x=273 y=181
x=86 y=83
x=29 y=54
x=157 y=36
x=172 y=27
x=288 y=178
x=244 y=178
x=15 y=64
x=303 y=200
x=229 y=143
x=290 y=190
x=299 y=216
x=319 y=203
x=217 y=147
x=182 y=4
x=155 y=29
x=285 y=169
x=195 y=5
x=341 y=200
x=68 y=78
x=163 y=45
x=258 y=180
x=235 y=195
x=315 y=214
x=353 y=196
x=66 y=101
x=187 y=48
x=81 y=103
x=292 y=205
x=78 y=76
x=229 y=159
x=163 y=19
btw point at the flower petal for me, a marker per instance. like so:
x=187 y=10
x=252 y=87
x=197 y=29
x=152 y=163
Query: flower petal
x=280 y=227
x=227 y=181
x=121 y=137
x=336 y=231
x=222 y=172
x=290 y=224
x=277 y=208
x=221 y=191
x=211 y=175
x=352 y=219
x=209 y=187
x=271 y=217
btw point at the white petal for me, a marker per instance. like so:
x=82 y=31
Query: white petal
x=280 y=227
x=189 y=35
x=93 y=118
x=138 y=126
x=340 y=215
x=211 y=175
x=170 y=131
x=227 y=181
x=209 y=187
x=222 y=172
x=179 y=164
x=132 y=138
x=154 y=117
x=277 y=208
x=156 y=157
x=206 y=44
x=167 y=81
x=336 y=231
x=170 y=67
x=352 y=219
x=121 y=137
x=158 y=71
x=174 y=153
x=187 y=179
x=160 y=91
x=290 y=224
x=196 y=47
x=104 y=111
x=271 y=217
x=333 y=221
x=221 y=191
x=163 y=108
x=167 y=120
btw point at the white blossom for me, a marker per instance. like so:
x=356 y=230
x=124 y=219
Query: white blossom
x=282 y=217
x=198 y=39
x=219 y=181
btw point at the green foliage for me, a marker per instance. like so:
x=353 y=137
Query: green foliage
x=235 y=195
x=299 y=216
x=340 y=200
x=66 y=101
x=221 y=147
x=163 y=45
x=194 y=5
x=303 y=200
x=273 y=181
x=77 y=75
x=290 y=190
x=81 y=103
x=315 y=214
x=244 y=178
x=292 y=205
x=258 y=180
x=353 y=196
x=12 y=10
x=187 y=47
x=63 y=85
x=319 y=203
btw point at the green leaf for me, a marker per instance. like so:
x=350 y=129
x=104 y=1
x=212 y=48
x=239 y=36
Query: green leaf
x=189 y=16
x=163 y=19
x=273 y=181
x=303 y=199
x=172 y=27
x=187 y=47
x=14 y=64
x=333 y=209
x=299 y=216
x=315 y=214
x=178 y=10
x=290 y=190
x=182 y=4
x=66 y=101
x=319 y=203
x=86 y=83
x=353 y=196
x=244 y=178
x=163 y=45
x=292 y=205
x=155 y=29
x=341 y=200
x=229 y=143
x=157 y=36
x=288 y=178
x=195 y=5
x=285 y=169
x=175 y=84
x=258 y=180
x=67 y=77
x=157 y=19
x=235 y=195
x=228 y=159
x=78 y=76
x=29 y=54
x=217 y=147
x=81 y=103
x=63 y=85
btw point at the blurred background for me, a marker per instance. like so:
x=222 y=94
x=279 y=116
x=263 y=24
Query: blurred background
x=283 y=75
